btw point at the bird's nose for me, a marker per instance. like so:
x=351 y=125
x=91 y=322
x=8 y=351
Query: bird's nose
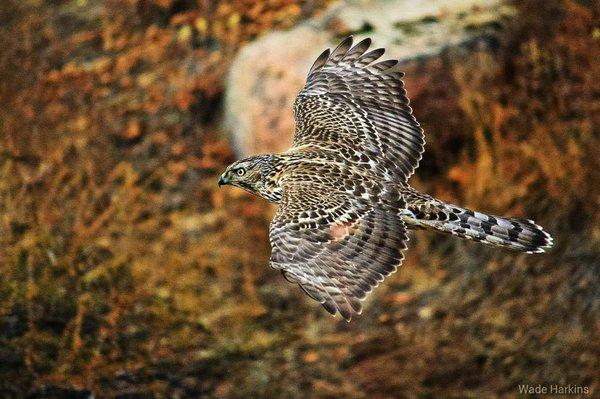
x=223 y=180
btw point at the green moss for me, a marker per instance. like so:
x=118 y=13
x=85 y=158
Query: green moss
x=409 y=28
x=483 y=27
x=365 y=28
x=429 y=19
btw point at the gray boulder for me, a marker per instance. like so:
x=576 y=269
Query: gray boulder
x=267 y=74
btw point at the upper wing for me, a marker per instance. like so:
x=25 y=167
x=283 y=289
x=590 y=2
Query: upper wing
x=335 y=247
x=360 y=109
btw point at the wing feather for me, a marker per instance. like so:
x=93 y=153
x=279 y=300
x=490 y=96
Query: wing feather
x=350 y=100
x=355 y=52
x=344 y=248
x=319 y=62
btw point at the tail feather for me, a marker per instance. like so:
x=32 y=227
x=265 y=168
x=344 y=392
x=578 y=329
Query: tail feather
x=517 y=234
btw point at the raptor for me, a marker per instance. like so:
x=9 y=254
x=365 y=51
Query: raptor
x=344 y=202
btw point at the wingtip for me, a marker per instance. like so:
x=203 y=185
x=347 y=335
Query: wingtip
x=347 y=317
x=349 y=38
x=368 y=41
x=342 y=48
x=320 y=61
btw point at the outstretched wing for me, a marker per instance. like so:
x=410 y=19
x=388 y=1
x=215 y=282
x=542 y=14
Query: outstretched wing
x=359 y=109
x=335 y=247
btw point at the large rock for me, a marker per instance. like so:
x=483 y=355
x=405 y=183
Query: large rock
x=268 y=73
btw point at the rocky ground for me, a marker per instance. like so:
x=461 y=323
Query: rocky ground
x=267 y=74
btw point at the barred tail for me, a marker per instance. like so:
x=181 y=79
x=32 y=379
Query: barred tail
x=516 y=234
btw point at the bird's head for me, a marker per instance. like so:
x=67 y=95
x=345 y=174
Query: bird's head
x=255 y=174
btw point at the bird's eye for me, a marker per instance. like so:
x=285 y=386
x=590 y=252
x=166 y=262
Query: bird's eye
x=241 y=171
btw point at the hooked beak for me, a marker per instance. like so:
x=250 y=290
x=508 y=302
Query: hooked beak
x=223 y=180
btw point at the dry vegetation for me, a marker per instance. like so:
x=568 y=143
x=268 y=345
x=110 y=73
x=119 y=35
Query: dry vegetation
x=123 y=270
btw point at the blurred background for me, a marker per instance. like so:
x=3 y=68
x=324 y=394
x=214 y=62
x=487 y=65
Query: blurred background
x=125 y=272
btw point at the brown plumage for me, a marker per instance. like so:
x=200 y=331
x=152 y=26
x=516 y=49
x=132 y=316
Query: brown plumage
x=344 y=201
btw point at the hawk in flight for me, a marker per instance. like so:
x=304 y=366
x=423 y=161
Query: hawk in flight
x=344 y=203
